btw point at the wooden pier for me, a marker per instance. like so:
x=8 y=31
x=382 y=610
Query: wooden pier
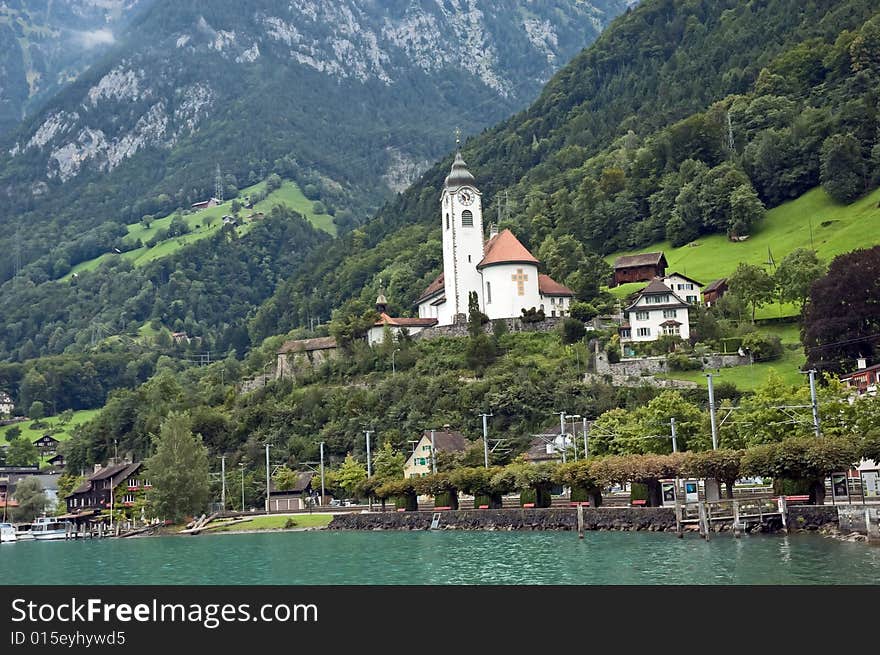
x=742 y=514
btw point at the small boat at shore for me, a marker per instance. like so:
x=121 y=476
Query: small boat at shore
x=23 y=532
x=49 y=529
x=7 y=533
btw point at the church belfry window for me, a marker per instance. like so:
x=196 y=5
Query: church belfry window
x=467 y=218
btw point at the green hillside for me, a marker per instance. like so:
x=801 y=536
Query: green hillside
x=812 y=221
x=50 y=425
x=289 y=194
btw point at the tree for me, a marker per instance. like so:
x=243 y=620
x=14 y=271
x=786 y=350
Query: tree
x=13 y=433
x=21 y=452
x=285 y=479
x=31 y=499
x=481 y=349
x=842 y=168
x=350 y=474
x=796 y=273
x=753 y=284
x=388 y=463
x=573 y=330
x=842 y=315
x=178 y=469
x=37 y=411
x=746 y=209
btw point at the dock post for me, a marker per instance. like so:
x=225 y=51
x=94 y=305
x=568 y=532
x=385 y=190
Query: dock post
x=704 y=527
x=580 y=519
x=737 y=529
x=679 y=527
x=871 y=526
x=783 y=512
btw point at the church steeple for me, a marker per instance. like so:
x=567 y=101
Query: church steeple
x=381 y=301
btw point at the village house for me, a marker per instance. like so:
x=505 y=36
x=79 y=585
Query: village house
x=10 y=476
x=657 y=311
x=117 y=482
x=57 y=461
x=687 y=288
x=6 y=404
x=643 y=267
x=376 y=334
x=713 y=291
x=47 y=445
x=420 y=462
x=205 y=204
x=299 y=354
x=293 y=499
x=864 y=379
x=500 y=270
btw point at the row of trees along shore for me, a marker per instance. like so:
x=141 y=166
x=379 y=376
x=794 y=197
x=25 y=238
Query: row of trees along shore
x=798 y=464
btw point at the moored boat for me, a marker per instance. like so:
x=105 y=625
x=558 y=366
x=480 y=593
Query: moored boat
x=7 y=533
x=48 y=529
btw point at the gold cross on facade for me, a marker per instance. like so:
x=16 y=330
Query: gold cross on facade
x=520 y=278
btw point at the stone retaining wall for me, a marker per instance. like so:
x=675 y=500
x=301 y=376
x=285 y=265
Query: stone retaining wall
x=460 y=329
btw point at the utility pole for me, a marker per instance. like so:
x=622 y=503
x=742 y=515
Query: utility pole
x=241 y=466
x=814 y=402
x=574 y=433
x=369 y=463
x=486 y=440
x=433 y=454
x=223 y=485
x=712 y=412
x=322 y=473
x=267 y=478
x=586 y=448
x=562 y=433
x=674 y=443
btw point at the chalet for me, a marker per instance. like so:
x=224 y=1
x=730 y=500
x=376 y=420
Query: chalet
x=864 y=380
x=639 y=268
x=293 y=499
x=420 y=461
x=6 y=404
x=57 y=461
x=657 y=311
x=180 y=337
x=256 y=216
x=685 y=287
x=302 y=353
x=47 y=444
x=714 y=290
x=550 y=444
x=118 y=482
x=205 y=204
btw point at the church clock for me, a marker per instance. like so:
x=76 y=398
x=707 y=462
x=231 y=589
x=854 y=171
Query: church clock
x=465 y=197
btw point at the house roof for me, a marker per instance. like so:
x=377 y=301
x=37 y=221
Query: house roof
x=642 y=259
x=384 y=319
x=433 y=289
x=847 y=376
x=537 y=451
x=505 y=248
x=448 y=441
x=307 y=345
x=116 y=470
x=46 y=437
x=547 y=286
x=684 y=277
x=57 y=458
x=715 y=285
x=656 y=287
x=303 y=480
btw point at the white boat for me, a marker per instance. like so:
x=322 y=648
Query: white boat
x=7 y=533
x=47 y=529
x=23 y=532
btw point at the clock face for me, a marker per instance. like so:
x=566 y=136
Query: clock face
x=466 y=197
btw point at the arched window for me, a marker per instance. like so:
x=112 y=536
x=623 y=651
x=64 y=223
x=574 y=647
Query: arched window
x=488 y=292
x=467 y=218
x=447 y=221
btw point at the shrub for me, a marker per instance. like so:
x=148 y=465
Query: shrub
x=290 y=523
x=573 y=330
x=532 y=315
x=763 y=347
x=583 y=311
x=681 y=362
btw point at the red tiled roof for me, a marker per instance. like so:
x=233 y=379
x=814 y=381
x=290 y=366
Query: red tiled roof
x=717 y=284
x=384 y=319
x=547 y=286
x=505 y=248
x=434 y=288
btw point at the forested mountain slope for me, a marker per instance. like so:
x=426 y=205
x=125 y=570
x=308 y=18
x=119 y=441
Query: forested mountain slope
x=351 y=99
x=684 y=118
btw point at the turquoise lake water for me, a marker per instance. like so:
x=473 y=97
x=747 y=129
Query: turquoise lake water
x=442 y=557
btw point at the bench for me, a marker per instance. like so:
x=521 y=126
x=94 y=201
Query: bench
x=437 y=509
x=401 y=509
x=639 y=503
x=483 y=507
x=585 y=504
x=797 y=499
x=525 y=505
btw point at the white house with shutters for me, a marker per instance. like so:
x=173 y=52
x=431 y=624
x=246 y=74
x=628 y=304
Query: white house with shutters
x=686 y=288
x=501 y=270
x=657 y=311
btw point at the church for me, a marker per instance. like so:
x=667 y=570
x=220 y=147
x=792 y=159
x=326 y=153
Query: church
x=500 y=269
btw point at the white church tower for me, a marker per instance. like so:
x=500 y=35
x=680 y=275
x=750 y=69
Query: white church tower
x=462 y=226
